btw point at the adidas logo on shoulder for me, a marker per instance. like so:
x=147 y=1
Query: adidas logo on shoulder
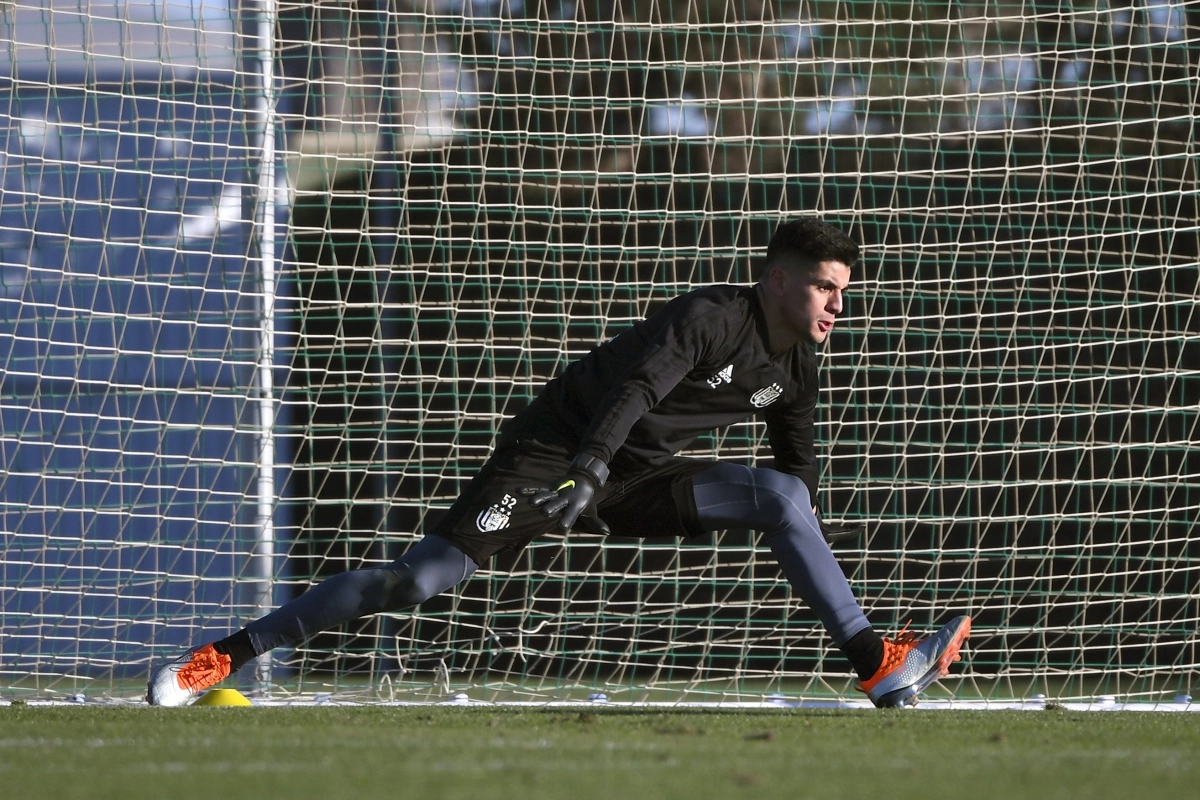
x=724 y=376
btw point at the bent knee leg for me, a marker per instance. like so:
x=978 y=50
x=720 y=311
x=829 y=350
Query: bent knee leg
x=733 y=495
x=781 y=500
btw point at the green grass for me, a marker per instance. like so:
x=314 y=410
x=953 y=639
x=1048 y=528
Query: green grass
x=437 y=753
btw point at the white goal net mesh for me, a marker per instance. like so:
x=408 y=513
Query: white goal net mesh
x=421 y=210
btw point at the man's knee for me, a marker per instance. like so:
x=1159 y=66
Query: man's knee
x=393 y=588
x=782 y=499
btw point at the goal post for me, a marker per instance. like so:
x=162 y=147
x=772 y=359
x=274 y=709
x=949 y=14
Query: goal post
x=469 y=195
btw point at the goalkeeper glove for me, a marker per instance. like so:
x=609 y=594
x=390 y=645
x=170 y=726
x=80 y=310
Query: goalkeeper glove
x=571 y=496
x=836 y=532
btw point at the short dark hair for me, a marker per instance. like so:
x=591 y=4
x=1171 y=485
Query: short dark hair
x=808 y=242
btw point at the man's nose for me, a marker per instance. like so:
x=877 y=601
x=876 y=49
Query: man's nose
x=835 y=302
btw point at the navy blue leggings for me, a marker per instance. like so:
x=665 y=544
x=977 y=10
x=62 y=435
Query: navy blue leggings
x=727 y=496
x=430 y=567
x=778 y=505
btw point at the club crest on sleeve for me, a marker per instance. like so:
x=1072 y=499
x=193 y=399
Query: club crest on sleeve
x=766 y=396
x=492 y=519
x=497 y=516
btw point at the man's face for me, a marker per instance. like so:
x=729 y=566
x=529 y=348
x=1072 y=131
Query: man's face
x=809 y=301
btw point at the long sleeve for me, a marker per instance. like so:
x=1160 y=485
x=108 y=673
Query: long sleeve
x=681 y=339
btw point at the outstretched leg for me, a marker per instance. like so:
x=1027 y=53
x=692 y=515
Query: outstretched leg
x=429 y=568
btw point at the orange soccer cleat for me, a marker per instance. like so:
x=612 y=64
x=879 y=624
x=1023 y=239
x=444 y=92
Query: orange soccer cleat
x=910 y=665
x=174 y=684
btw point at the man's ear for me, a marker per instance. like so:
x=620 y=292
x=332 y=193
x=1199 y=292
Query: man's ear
x=777 y=281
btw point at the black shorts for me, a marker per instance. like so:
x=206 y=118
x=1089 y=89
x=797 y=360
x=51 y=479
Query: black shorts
x=491 y=514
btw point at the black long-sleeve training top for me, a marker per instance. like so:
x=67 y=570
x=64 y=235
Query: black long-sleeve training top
x=698 y=364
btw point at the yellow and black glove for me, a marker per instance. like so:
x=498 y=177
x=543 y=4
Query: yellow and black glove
x=570 y=498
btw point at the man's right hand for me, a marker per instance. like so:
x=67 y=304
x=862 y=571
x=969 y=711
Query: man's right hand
x=837 y=532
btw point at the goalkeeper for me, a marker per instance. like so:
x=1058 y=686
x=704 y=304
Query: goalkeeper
x=596 y=452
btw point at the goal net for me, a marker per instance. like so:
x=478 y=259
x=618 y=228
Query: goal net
x=273 y=274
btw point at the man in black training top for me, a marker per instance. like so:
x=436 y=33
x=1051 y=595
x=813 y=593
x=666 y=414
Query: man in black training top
x=596 y=451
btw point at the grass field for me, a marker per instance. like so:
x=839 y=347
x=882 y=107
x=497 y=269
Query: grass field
x=440 y=752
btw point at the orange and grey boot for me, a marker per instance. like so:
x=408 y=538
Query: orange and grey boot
x=176 y=683
x=911 y=665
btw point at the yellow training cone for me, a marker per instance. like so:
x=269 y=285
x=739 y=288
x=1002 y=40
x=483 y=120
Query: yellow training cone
x=222 y=697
